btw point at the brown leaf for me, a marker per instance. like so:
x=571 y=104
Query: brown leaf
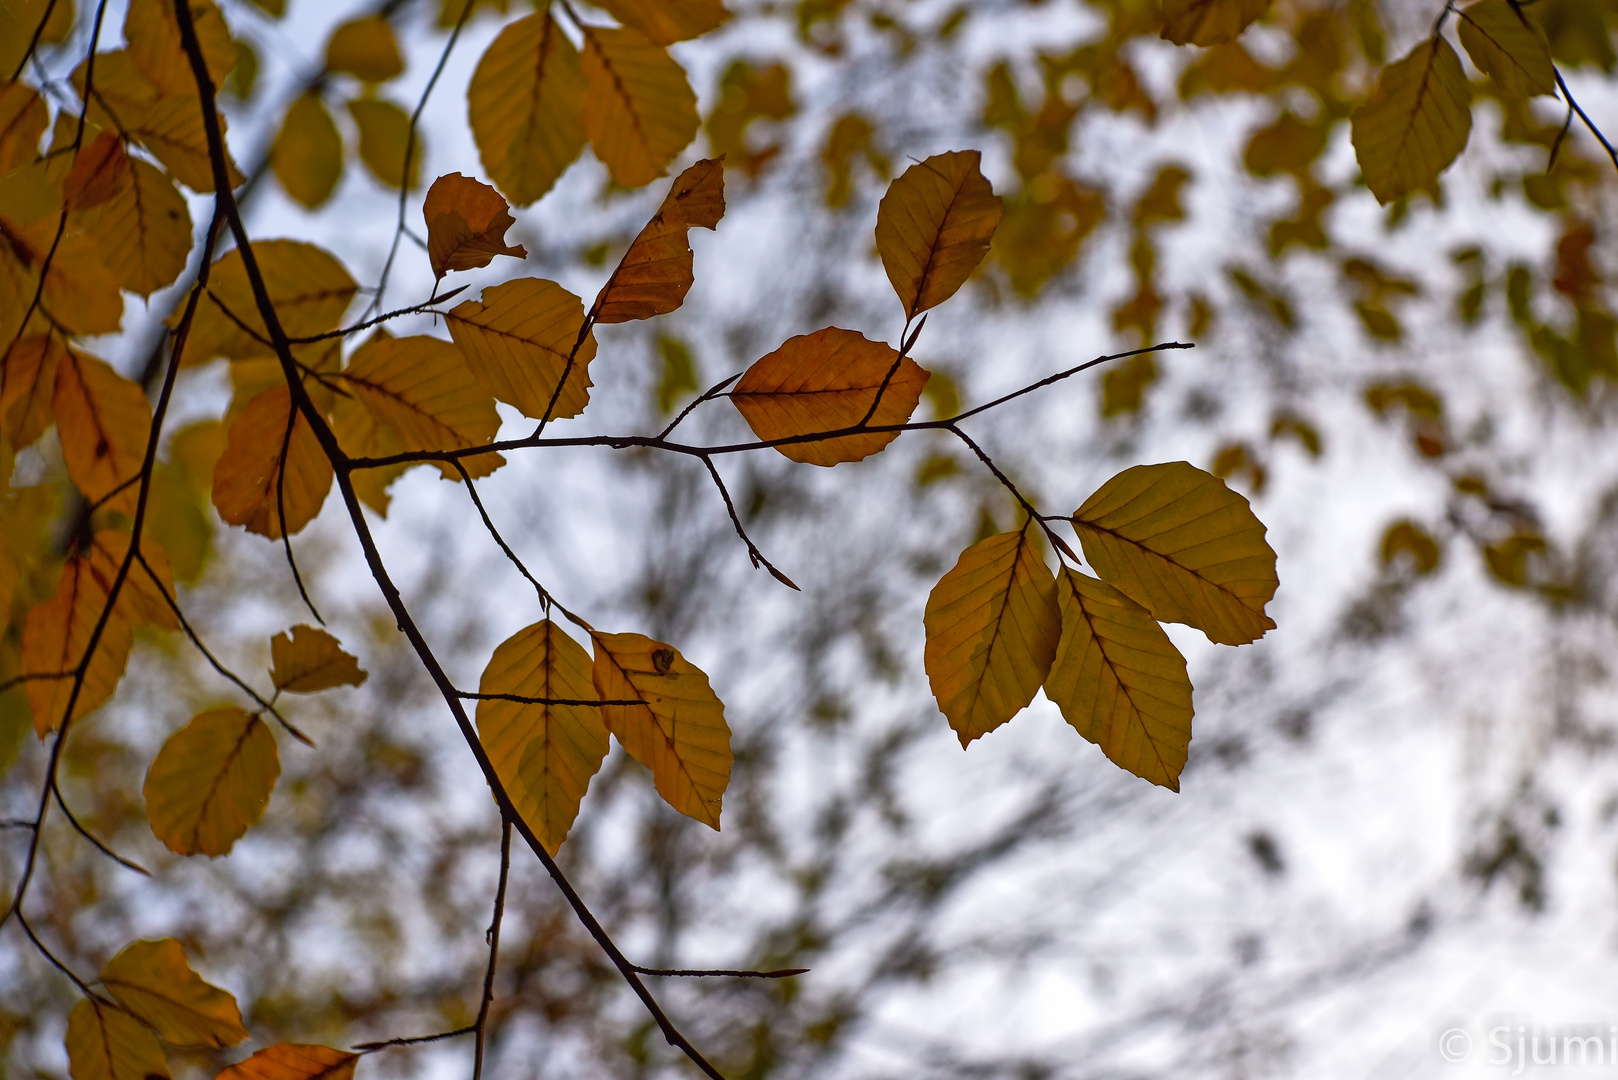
x=656 y=272
x=98 y=172
x=103 y=420
x=272 y=462
x=294 y=1061
x=466 y=225
x=153 y=980
x=56 y=635
x=27 y=384
x=933 y=227
x=517 y=339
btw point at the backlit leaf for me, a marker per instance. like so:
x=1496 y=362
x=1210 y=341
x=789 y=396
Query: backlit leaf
x=308 y=152
x=656 y=271
x=311 y=660
x=23 y=119
x=153 y=980
x=466 y=224
x=265 y=471
x=211 y=781
x=933 y=227
x=992 y=627
x=172 y=129
x=99 y=169
x=544 y=754
x=1208 y=22
x=639 y=111
x=80 y=297
x=384 y=140
x=308 y=287
x=1416 y=123
x=143 y=233
x=1183 y=546
x=294 y=1061
x=27 y=384
x=361 y=435
x=153 y=39
x=103 y=420
x=1120 y=681
x=680 y=733
x=56 y=635
x=122 y=91
x=526 y=104
x=421 y=388
x=106 y=1043
x=517 y=340
x=827 y=381
x=140 y=599
x=366 y=49
x=1509 y=48
x=668 y=21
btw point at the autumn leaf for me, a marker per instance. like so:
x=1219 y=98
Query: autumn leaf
x=122 y=92
x=992 y=627
x=361 y=435
x=1416 y=123
x=23 y=119
x=103 y=420
x=27 y=385
x=933 y=227
x=172 y=129
x=267 y=469
x=294 y=1061
x=152 y=36
x=526 y=104
x=153 y=980
x=55 y=637
x=384 y=141
x=1508 y=48
x=827 y=381
x=466 y=225
x=80 y=296
x=1120 y=681
x=668 y=21
x=366 y=49
x=141 y=601
x=421 y=388
x=106 y=1043
x=311 y=660
x=517 y=340
x=656 y=272
x=1183 y=546
x=679 y=733
x=143 y=233
x=307 y=157
x=211 y=781
x=1208 y=22
x=98 y=171
x=308 y=287
x=544 y=753
x=639 y=111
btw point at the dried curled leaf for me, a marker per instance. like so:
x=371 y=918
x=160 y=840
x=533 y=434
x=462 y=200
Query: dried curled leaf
x=153 y=980
x=294 y=1061
x=1508 y=48
x=55 y=638
x=518 y=341
x=466 y=225
x=211 y=781
x=992 y=627
x=366 y=49
x=544 y=753
x=1185 y=547
x=1120 y=681
x=679 y=733
x=1209 y=22
x=311 y=660
x=307 y=157
x=106 y=1043
x=526 y=104
x=827 y=381
x=1416 y=123
x=308 y=287
x=656 y=272
x=668 y=21
x=639 y=111
x=103 y=420
x=272 y=466
x=933 y=227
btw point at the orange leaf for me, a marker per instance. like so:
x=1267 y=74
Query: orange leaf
x=639 y=111
x=656 y=272
x=272 y=464
x=526 y=103
x=27 y=382
x=517 y=340
x=140 y=600
x=54 y=639
x=933 y=228
x=421 y=389
x=466 y=225
x=103 y=420
x=98 y=172
x=827 y=381
x=153 y=980
x=143 y=232
x=294 y=1061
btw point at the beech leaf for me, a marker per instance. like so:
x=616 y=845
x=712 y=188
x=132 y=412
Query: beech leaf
x=107 y=1043
x=153 y=980
x=526 y=104
x=1508 y=48
x=294 y=1061
x=656 y=272
x=421 y=389
x=211 y=781
x=517 y=340
x=639 y=110
x=933 y=227
x=55 y=637
x=365 y=48
x=668 y=21
x=311 y=660
x=103 y=420
x=308 y=287
x=1416 y=123
x=1209 y=22
x=142 y=233
x=307 y=157
x=466 y=225
x=272 y=464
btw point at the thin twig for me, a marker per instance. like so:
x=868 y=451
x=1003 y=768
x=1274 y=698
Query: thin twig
x=519 y=699
x=413 y=1040
x=1567 y=95
x=753 y=552
x=493 y=938
x=707 y=395
x=717 y=973
x=88 y=835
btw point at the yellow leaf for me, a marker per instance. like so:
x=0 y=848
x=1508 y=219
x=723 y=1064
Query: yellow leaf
x=140 y=600
x=264 y=470
x=1183 y=546
x=250 y=378
x=639 y=111
x=667 y=21
x=827 y=381
x=1208 y=22
x=122 y=92
x=27 y=383
x=544 y=754
x=23 y=119
x=311 y=660
x=1416 y=123
x=1508 y=48
x=384 y=138
x=153 y=38
x=934 y=226
x=656 y=272
x=360 y=435
x=421 y=388
x=18 y=20
x=517 y=340
x=99 y=169
x=679 y=733
x=1120 y=681
x=366 y=49
x=294 y=1061
x=103 y=420
x=526 y=104
x=308 y=152
x=106 y=1043
x=172 y=129
x=54 y=639
x=992 y=627
x=211 y=781
x=308 y=287
x=143 y=233
x=153 y=980
x=466 y=225
x=80 y=295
